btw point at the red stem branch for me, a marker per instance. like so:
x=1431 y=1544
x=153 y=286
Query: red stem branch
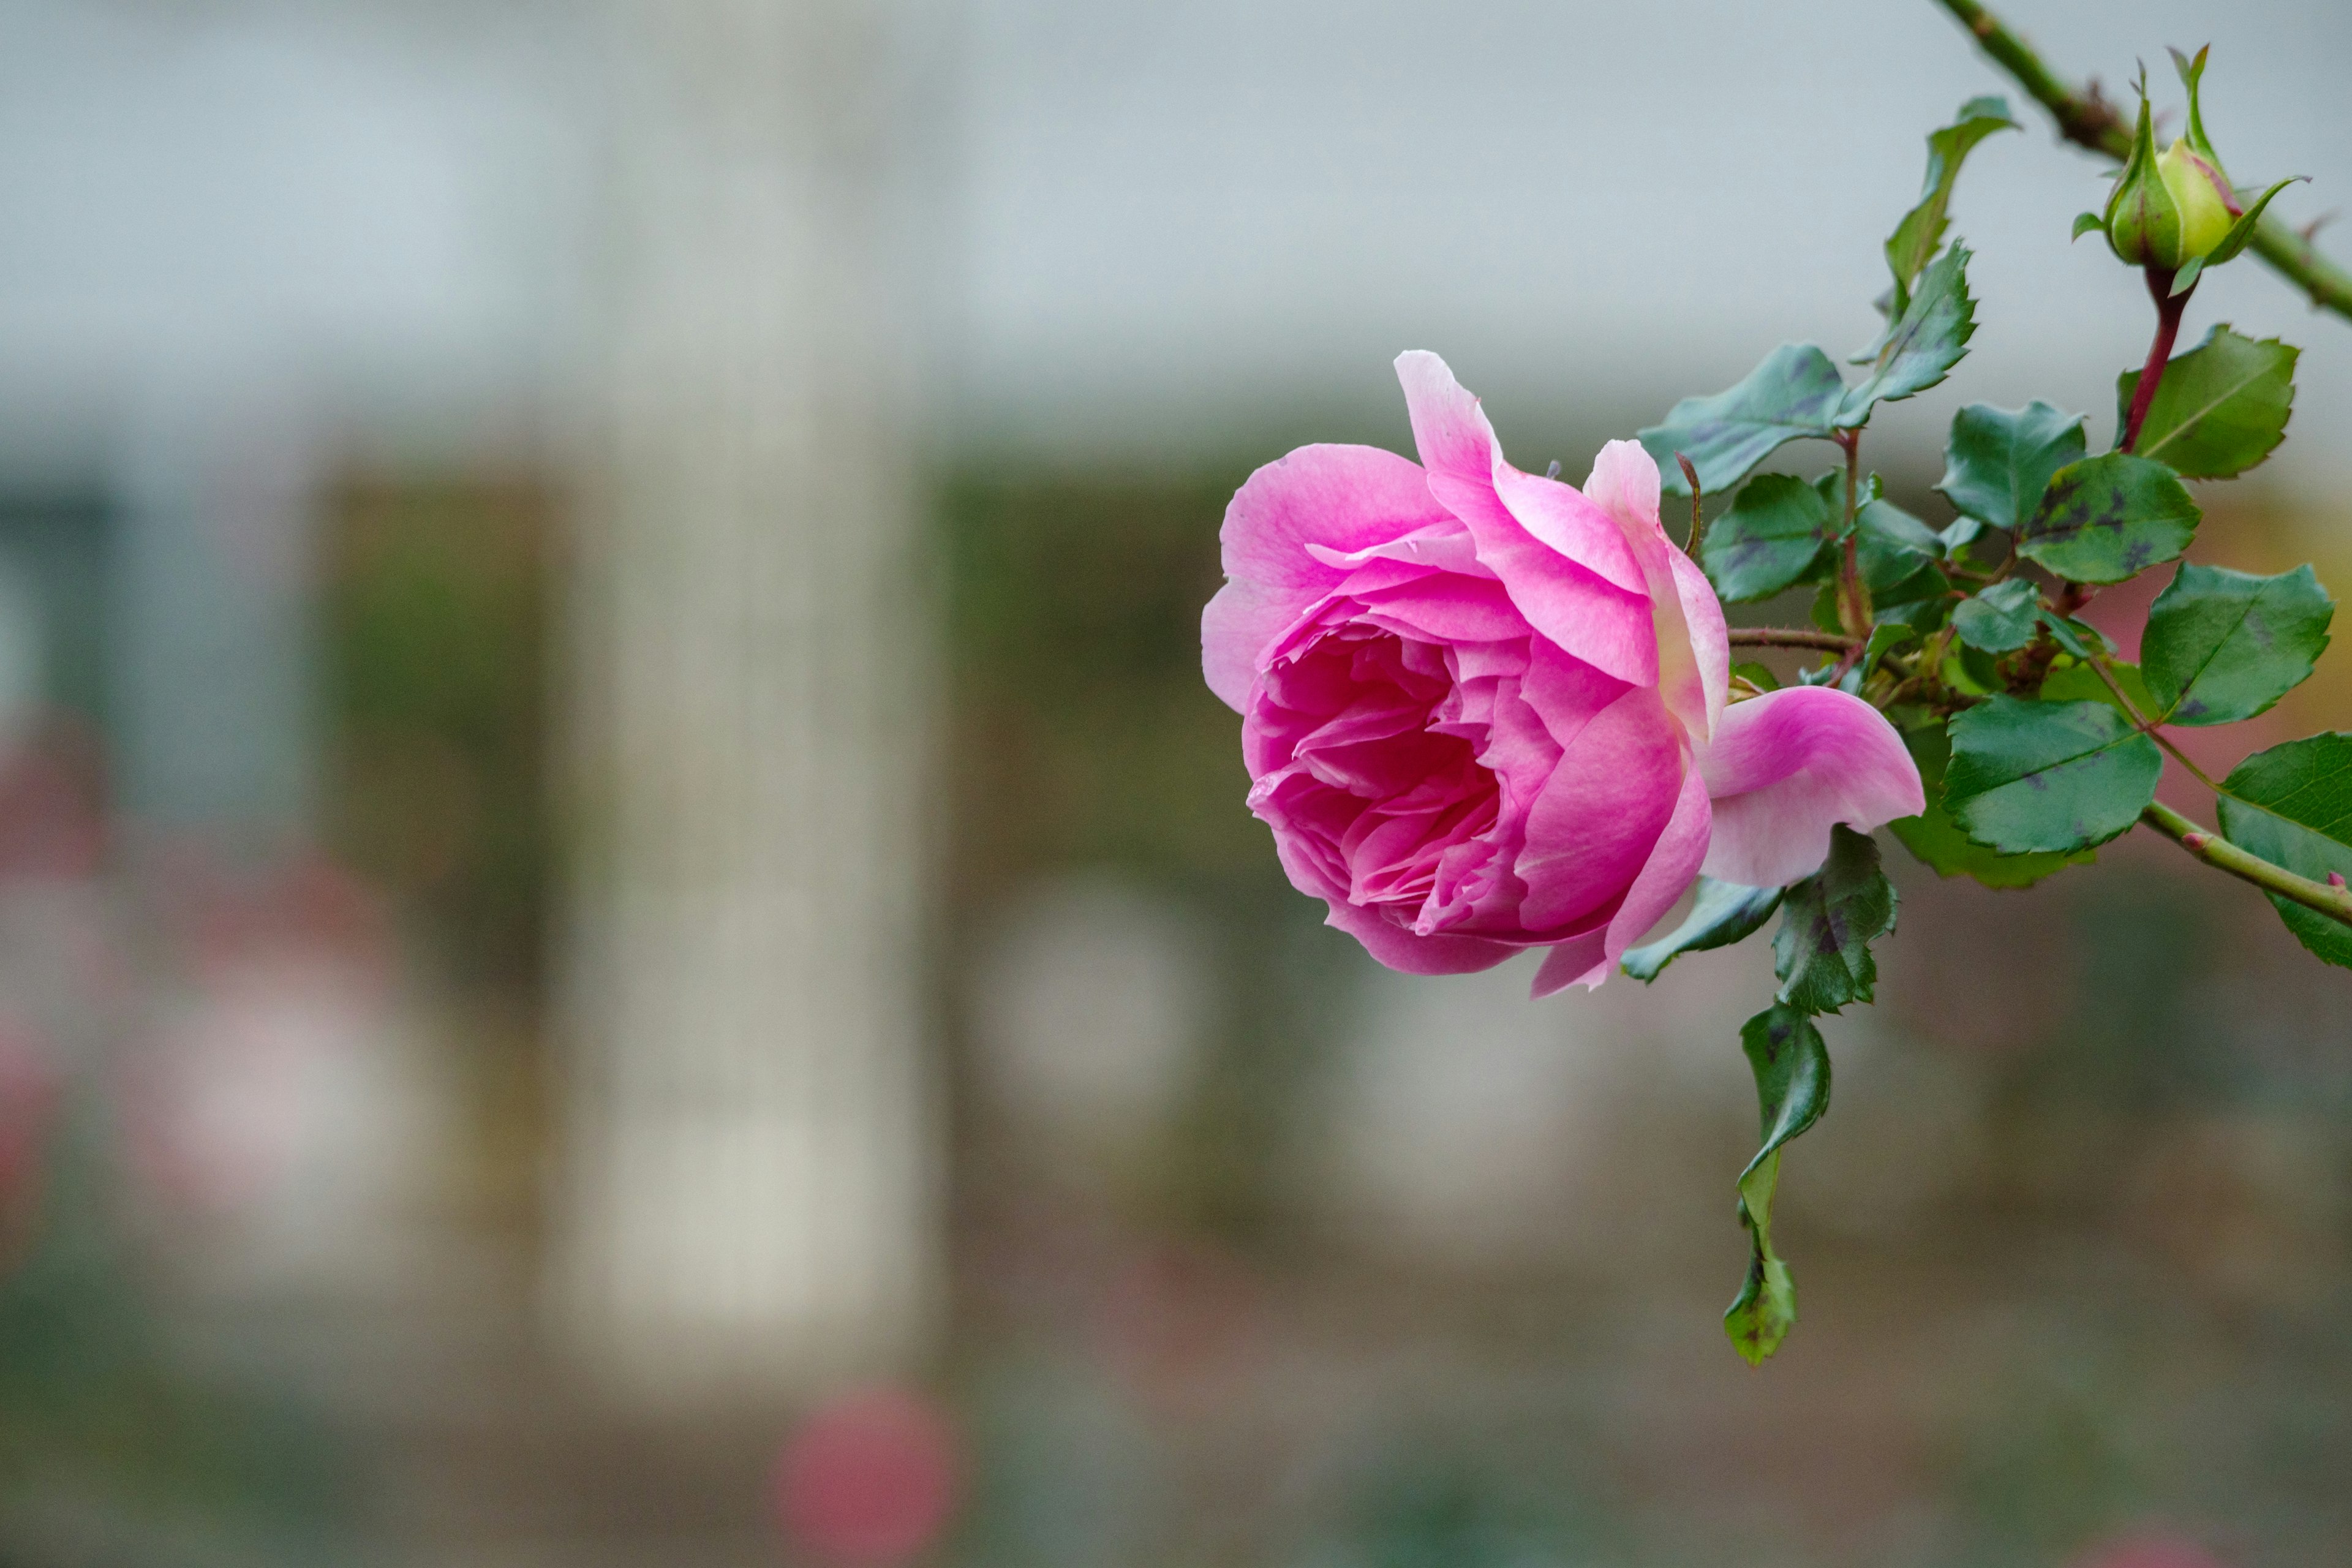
x=2168 y=309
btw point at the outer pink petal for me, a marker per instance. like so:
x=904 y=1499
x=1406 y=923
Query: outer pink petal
x=1345 y=499
x=1787 y=765
x=1710 y=640
x=1600 y=814
x=1624 y=484
x=1572 y=602
x=1672 y=865
x=1391 y=944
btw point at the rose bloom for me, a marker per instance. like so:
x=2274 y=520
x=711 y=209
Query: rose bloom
x=1484 y=711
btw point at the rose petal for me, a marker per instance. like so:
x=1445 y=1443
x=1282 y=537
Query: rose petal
x=1599 y=816
x=1607 y=624
x=1389 y=944
x=1785 y=766
x=1624 y=484
x=1710 y=639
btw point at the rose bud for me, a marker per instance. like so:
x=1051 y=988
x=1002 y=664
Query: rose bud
x=1484 y=711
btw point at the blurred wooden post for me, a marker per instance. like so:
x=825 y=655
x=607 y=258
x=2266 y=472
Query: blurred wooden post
x=747 y=1203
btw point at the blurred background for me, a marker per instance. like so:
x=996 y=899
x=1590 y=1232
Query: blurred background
x=627 y=936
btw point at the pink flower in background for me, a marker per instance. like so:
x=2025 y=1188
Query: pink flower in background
x=1484 y=711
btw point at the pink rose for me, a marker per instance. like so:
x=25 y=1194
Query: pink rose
x=1484 y=711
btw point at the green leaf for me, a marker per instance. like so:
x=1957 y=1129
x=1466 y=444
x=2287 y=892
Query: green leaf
x=1923 y=345
x=1822 y=952
x=2027 y=777
x=2293 y=807
x=1756 y=675
x=1722 y=913
x=2223 y=645
x=1899 y=555
x=1998 y=461
x=2002 y=618
x=2221 y=408
x=1769 y=538
x=1935 y=838
x=2078 y=639
x=1795 y=393
x=2108 y=517
x=1792 y=1091
x=2079 y=682
x=1916 y=238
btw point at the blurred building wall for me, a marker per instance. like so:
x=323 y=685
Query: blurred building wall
x=748 y=1203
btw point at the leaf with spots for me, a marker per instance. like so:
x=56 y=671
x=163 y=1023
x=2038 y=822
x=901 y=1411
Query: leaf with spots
x=2030 y=777
x=2108 y=517
x=1998 y=461
x=1795 y=393
x=1923 y=345
x=1821 y=953
x=1937 y=841
x=2223 y=645
x=2002 y=618
x=1771 y=537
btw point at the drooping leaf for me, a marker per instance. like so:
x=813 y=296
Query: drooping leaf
x=1795 y=393
x=2030 y=777
x=2108 y=517
x=2223 y=645
x=1923 y=345
x=1792 y=1091
x=1916 y=238
x=1721 y=914
x=1769 y=538
x=2221 y=408
x=1935 y=838
x=1998 y=461
x=2002 y=618
x=1822 y=952
x=2293 y=807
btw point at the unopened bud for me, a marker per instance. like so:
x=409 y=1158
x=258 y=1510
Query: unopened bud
x=2195 y=841
x=2206 y=203
x=2335 y=879
x=2169 y=210
x=2143 y=217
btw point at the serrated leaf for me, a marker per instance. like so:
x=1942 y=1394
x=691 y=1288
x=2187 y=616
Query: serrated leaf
x=1916 y=238
x=1921 y=346
x=1721 y=914
x=1936 y=840
x=1792 y=1091
x=1769 y=538
x=2221 y=408
x=1822 y=952
x=2002 y=618
x=2293 y=807
x=2030 y=777
x=2108 y=517
x=1998 y=461
x=2223 y=645
x=1899 y=555
x=1795 y=393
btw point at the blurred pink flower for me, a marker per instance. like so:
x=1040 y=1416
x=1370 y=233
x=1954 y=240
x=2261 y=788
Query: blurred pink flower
x=2148 y=1551
x=1484 y=711
x=870 y=1478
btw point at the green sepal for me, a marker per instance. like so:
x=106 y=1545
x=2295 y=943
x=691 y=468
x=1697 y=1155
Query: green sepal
x=2241 y=233
x=1795 y=393
x=2085 y=222
x=1822 y=952
x=1722 y=913
x=2193 y=76
x=1937 y=841
x=2108 y=517
x=2002 y=618
x=2222 y=407
x=2223 y=645
x=2029 y=777
x=2292 y=804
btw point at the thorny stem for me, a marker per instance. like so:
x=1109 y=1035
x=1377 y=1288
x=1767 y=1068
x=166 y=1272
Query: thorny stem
x=2090 y=122
x=2223 y=855
x=1789 y=636
x=1854 y=594
x=2168 y=309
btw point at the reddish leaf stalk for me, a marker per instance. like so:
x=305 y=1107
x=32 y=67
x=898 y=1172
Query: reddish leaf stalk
x=2168 y=309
